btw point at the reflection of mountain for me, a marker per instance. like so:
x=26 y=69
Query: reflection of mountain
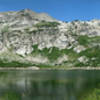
x=57 y=85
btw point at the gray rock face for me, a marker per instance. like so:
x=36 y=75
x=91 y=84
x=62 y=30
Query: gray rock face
x=34 y=36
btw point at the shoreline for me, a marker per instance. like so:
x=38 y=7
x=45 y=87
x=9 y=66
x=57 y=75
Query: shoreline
x=20 y=68
x=37 y=68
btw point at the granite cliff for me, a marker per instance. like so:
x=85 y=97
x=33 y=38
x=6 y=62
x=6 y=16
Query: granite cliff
x=30 y=38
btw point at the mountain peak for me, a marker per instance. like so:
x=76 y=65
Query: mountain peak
x=26 y=10
x=39 y=16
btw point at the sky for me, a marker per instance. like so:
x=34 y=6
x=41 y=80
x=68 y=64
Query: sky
x=65 y=10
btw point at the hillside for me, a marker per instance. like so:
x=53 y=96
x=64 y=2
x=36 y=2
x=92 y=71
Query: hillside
x=28 y=38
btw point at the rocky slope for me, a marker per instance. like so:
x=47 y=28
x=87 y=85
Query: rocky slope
x=28 y=38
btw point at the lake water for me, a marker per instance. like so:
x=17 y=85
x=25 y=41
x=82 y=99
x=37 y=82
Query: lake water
x=50 y=85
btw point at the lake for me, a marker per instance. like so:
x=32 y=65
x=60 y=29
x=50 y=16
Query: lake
x=50 y=85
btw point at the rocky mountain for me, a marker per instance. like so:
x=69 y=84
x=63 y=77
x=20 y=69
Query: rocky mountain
x=29 y=38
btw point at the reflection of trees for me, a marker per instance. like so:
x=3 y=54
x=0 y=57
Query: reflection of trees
x=10 y=93
x=49 y=90
x=61 y=87
x=93 y=95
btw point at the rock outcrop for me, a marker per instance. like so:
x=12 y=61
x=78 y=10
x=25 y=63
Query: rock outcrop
x=36 y=38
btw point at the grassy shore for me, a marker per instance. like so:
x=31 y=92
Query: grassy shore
x=54 y=68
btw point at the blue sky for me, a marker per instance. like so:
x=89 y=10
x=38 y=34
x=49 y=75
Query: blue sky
x=66 y=10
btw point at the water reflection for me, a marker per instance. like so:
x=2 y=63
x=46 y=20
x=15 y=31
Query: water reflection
x=47 y=85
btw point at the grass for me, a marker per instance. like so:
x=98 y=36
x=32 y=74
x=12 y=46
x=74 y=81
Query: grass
x=54 y=53
x=85 y=40
x=91 y=53
x=14 y=64
x=46 y=24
